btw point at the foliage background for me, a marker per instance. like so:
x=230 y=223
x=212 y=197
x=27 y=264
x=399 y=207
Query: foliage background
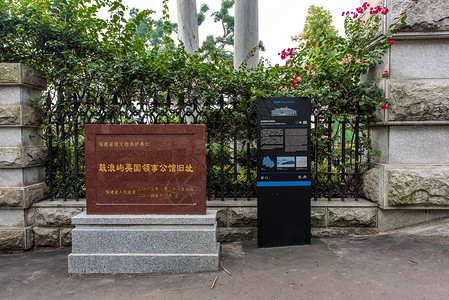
x=108 y=71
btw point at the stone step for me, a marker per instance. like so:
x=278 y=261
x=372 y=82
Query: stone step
x=143 y=239
x=111 y=244
x=140 y=263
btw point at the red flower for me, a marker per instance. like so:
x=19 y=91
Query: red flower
x=232 y=67
x=385 y=74
x=384 y=106
x=306 y=68
x=308 y=44
x=391 y=42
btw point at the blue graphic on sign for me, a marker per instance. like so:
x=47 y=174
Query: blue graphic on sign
x=267 y=162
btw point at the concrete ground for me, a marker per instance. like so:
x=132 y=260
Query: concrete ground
x=412 y=263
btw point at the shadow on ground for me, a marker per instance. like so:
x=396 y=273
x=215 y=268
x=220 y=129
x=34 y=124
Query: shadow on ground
x=387 y=266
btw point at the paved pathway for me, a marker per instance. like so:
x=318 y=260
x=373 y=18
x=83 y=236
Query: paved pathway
x=406 y=264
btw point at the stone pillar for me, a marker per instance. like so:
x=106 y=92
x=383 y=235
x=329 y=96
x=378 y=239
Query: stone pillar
x=22 y=154
x=188 y=25
x=246 y=32
x=410 y=180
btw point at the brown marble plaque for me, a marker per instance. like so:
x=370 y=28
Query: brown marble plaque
x=145 y=169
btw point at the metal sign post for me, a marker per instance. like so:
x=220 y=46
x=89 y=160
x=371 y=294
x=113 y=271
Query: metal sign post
x=283 y=171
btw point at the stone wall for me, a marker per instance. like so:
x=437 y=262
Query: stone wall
x=410 y=180
x=236 y=220
x=22 y=154
x=330 y=218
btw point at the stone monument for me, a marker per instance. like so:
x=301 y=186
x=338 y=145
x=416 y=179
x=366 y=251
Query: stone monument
x=146 y=202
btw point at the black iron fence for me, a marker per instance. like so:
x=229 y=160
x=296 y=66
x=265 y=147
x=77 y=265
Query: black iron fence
x=231 y=142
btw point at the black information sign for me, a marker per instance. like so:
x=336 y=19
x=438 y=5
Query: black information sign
x=283 y=171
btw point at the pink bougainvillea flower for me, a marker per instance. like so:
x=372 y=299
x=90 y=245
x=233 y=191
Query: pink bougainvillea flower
x=391 y=42
x=384 y=106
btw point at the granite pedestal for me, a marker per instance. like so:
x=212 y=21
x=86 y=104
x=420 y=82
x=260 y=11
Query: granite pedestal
x=138 y=244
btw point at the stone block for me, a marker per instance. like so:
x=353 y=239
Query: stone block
x=142 y=263
x=243 y=217
x=418 y=186
x=11 y=197
x=9 y=115
x=55 y=216
x=33 y=77
x=29 y=93
x=390 y=219
x=419 y=100
x=32 y=136
x=318 y=217
x=10 y=157
x=380 y=142
x=11 y=238
x=35 y=155
x=418 y=59
x=10 y=95
x=236 y=234
x=35 y=193
x=418 y=145
x=21 y=177
x=352 y=217
x=372 y=185
x=144 y=238
x=12 y=218
x=11 y=178
x=424 y=16
x=31 y=116
x=33 y=175
x=16 y=95
x=46 y=237
x=9 y=73
x=222 y=216
x=20 y=136
x=66 y=236
x=10 y=137
x=19 y=74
